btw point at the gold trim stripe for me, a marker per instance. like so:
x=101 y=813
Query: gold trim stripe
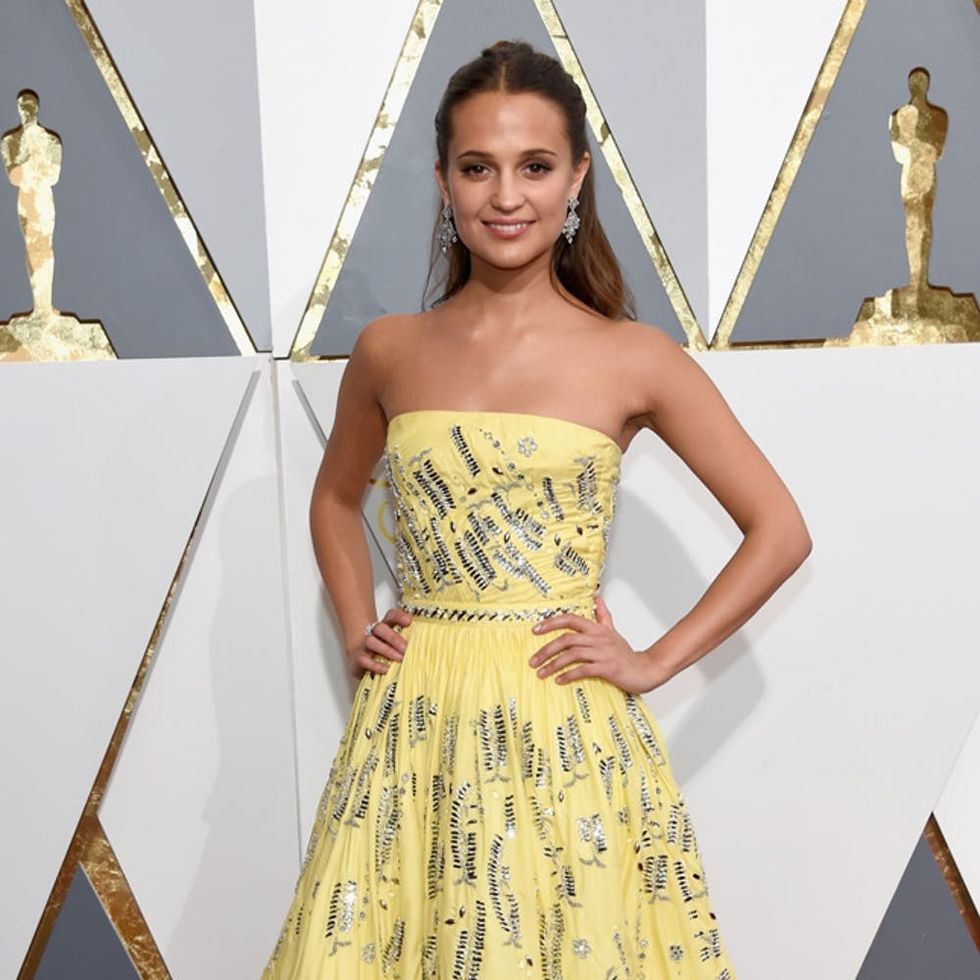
x=90 y=853
x=101 y=866
x=84 y=843
x=785 y=179
x=624 y=180
x=360 y=190
x=953 y=878
x=185 y=225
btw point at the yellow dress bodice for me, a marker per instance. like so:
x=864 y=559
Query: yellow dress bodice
x=480 y=820
x=499 y=515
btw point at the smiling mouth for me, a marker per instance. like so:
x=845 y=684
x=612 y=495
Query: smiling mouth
x=508 y=227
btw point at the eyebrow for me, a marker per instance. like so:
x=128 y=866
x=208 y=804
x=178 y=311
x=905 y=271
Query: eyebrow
x=527 y=153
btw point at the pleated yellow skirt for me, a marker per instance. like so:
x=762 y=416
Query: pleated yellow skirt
x=480 y=821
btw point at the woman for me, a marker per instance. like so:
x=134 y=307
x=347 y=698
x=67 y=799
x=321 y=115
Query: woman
x=502 y=803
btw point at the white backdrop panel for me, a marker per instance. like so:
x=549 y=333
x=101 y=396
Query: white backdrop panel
x=201 y=807
x=814 y=743
x=763 y=57
x=105 y=466
x=323 y=71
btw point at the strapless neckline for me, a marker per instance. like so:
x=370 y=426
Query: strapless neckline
x=554 y=419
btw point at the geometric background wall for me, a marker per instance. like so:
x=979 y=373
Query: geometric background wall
x=840 y=233
x=231 y=208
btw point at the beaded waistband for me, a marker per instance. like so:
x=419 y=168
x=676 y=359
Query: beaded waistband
x=486 y=612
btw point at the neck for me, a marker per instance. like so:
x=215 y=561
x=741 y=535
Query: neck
x=508 y=297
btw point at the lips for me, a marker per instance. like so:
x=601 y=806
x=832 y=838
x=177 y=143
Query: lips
x=507 y=229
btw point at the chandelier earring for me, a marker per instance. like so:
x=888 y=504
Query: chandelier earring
x=447 y=230
x=572 y=220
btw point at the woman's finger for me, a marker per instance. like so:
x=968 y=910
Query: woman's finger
x=383 y=645
x=575 y=654
x=556 y=622
x=560 y=643
x=576 y=673
x=375 y=664
x=401 y=616
x=386 y=633
x=378 y=644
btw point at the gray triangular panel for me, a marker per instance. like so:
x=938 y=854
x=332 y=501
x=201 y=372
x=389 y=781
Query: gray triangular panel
x=922 y=934
x=214 y=157
x=840 y=236
x=119 y=257
x=384 y=270
x=83 y=942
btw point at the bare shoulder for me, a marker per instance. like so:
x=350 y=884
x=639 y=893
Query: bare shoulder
x=678 y=399
x=670 y=392
x=646 y=359
x=385 y=332
x=645 y=339
x=382 y=341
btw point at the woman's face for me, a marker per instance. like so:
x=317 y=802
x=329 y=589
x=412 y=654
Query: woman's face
x=509 y=176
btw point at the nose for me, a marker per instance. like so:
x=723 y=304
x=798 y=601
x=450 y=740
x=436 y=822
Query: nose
x=507 y=194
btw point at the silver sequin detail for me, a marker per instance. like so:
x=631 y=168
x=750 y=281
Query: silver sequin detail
x=484 y=613
x=526 y=445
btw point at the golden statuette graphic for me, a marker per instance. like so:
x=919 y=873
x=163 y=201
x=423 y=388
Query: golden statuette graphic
x=918 y=312
x=31 y=157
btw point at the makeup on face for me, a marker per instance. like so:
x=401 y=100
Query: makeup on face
x=509 y=180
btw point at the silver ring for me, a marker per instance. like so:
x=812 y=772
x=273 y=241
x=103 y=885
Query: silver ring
x=369 y=629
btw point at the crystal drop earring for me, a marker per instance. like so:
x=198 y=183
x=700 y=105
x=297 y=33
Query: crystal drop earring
x=572 y=220
x=447 y=230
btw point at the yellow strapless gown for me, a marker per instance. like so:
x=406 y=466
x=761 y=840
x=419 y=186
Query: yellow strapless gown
x=480 y=822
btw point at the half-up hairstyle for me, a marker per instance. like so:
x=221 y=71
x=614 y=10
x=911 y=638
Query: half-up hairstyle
x=588 y=268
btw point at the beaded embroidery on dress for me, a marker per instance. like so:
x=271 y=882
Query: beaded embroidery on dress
x=480 y=822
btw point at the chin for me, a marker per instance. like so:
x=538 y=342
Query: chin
x=512 y=262
x=510 y=258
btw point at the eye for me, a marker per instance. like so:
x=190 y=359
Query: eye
x=537 y=163
x=472 y=167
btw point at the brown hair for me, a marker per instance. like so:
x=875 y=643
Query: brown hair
x=588 y=269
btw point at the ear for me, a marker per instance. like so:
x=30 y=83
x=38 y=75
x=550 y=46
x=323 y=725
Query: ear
x=441 y=181
x=581 y=169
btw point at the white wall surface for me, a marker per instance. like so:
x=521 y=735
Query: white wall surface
x=763 y=57
x=815 y=741
x=201 y=805
x=323 y=72
x=105 y=467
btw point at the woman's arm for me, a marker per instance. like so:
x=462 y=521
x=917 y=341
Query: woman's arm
x=683 y=406
x=353 y=448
